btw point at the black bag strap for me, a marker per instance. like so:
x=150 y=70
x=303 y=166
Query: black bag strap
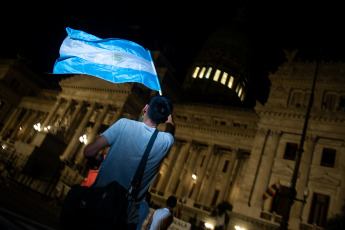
x=135 y=183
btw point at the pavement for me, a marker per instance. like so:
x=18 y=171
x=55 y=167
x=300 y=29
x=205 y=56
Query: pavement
x=22 y=208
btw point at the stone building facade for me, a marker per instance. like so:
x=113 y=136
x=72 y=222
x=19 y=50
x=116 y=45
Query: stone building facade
x=221 y=153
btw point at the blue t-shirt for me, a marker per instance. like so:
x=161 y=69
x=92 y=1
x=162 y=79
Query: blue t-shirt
x=128 y=140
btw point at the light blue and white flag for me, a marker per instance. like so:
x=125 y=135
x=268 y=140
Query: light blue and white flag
x=112 y=59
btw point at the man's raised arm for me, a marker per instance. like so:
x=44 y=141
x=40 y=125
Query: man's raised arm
x=170 y=126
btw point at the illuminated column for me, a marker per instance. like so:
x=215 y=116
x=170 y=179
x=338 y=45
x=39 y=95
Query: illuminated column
x=201 y=182
x=210 y=183
x=29 y=125
x=178 y=167
x=52 y=112
x=98 y=123
x=169 y=162
x=68 y=104
x=91 y=137
x=11 y=121
x=267 y=152
x=229 y=178
x=74 y=143
x=77 y=109
x=186 y=173
x=19 y=124
x=201 y=174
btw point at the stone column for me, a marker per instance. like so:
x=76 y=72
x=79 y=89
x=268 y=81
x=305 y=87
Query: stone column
x=179 y=166
x=98 y=123
x=265 y=169
x=91 y=137
x=209 y=186
x=29 y=125
x=224 y=193
x=52 y=112
x=19 y=124
x=169 y=162
x=69 y=130
x=201 y=174
x=11 y=121
x=74 y=143
x=205 y=180
x=65 y=109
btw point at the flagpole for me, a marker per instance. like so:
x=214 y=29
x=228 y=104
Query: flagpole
x=153 y=67
x=292 y=190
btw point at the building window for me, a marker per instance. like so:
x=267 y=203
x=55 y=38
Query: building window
x=216 y=75
x=243 y=96
x=239 y=92
x=280 y=200
x=290 y=151
x=202 y=161
x=225 y=166
x=297 y=99
x=231 y=82
x=215 y=197
x=328 y=157
x=196 y=71
x=330 y=101
x=319 y=210
x=224 y=78
x=341 y=106
x=208 y=73
x=238 y=88
x=202 y=72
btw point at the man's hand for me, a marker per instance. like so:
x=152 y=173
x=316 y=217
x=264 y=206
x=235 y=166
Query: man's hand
x=170 y=126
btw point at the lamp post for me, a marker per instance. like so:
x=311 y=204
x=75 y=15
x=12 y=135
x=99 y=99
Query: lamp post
x=292 y=190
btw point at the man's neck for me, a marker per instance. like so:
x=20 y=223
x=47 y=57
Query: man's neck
x=147 y=121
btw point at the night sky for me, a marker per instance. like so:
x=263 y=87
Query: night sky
x=37 y=31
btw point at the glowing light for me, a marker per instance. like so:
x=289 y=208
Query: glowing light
x=83 y=139
x=202 y=72
x=231 y=82
x=37 y=127
x=216 y=75
x=47 y=128
x=196 y=71
x=208 y=73
x=239 y=228
x=209 y=226
x=194 y=176
x=239 y=92
x=224 y=77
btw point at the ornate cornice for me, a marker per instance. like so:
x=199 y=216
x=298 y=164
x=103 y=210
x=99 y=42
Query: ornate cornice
x=209 y=130
x=317 y=117
x=90 y=83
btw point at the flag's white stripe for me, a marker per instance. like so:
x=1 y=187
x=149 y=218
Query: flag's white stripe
x=71 y=47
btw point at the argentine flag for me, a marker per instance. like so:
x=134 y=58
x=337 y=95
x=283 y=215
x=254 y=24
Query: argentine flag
x=112 y=59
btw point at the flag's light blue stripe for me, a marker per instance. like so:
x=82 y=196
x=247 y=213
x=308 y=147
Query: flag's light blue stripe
x=76 y=65
x=71 y=47
x=113 y=44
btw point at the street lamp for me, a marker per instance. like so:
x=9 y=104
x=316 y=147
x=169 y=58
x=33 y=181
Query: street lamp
x=304 y=201
x=194 y=176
